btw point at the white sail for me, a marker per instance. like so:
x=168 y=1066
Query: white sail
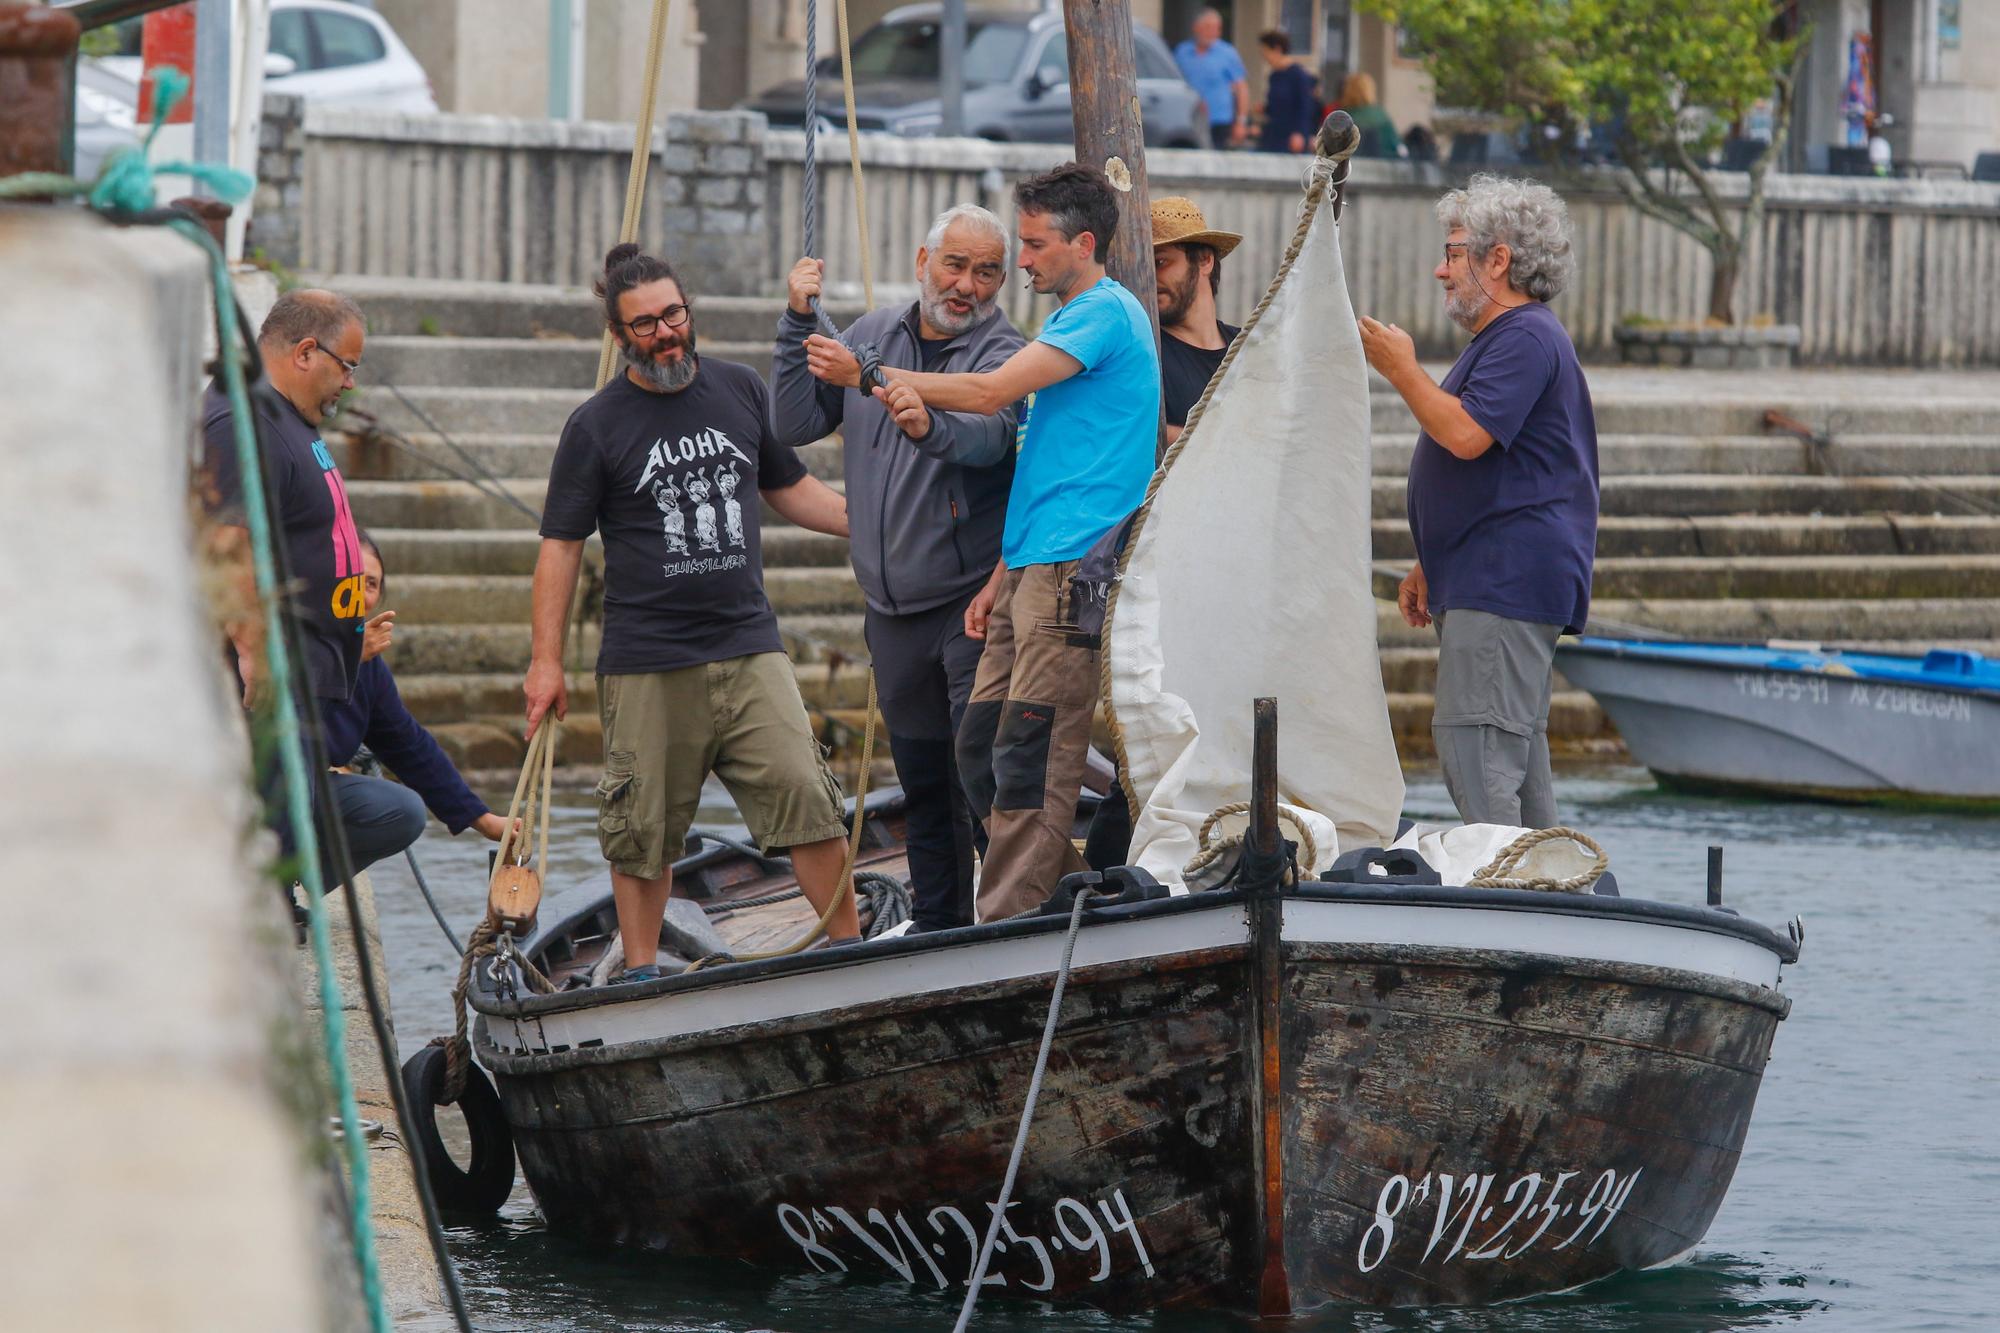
x=1248 y=574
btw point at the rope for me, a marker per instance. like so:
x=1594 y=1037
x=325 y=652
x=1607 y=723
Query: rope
x=642 y=149
x=1325 y=176
x=125 y=182
x=1499 y=873
x=854 y=153
x=1211 y=852
x=978 y=1278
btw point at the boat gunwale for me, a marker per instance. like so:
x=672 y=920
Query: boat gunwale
x=1639 y=910
x=1663 y=654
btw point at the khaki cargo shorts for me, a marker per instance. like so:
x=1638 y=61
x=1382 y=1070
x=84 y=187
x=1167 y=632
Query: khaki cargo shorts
x=666 y=731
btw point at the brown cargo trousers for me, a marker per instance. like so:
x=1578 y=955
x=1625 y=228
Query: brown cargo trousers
x=1024 y=738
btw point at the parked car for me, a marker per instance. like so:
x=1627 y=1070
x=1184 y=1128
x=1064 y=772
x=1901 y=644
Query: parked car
x=1016 y=81
x=328 y=51
x=106 y=119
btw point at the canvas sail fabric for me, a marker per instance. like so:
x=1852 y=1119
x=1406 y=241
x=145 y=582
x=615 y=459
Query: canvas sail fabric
x=1248 y=574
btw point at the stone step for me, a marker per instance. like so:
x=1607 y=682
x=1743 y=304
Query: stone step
x=426 y=456
x=409 y=551
x=448 y=308
x=463 y=648
x=1779 y=577
x=454 y=504
x=552 y=362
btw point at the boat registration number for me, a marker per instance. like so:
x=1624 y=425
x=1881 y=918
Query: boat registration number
x=942 y=1245
x=1777 y=688
x=1462 y=1210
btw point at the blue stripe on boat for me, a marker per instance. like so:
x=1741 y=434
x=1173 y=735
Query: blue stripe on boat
x=1941 y=668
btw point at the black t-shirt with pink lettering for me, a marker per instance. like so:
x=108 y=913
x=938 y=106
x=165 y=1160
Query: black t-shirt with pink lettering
x=314 y=521
x=671 y=481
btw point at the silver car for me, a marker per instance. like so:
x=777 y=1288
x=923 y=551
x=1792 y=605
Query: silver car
x=1016 y=81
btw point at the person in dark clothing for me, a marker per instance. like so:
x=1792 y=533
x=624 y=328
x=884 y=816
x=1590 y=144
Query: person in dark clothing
x=926 y=504
x=1291 y=98
x=380 y=817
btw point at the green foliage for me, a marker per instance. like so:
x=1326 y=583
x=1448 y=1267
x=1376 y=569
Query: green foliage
x=1668 y=78
x=428 y=326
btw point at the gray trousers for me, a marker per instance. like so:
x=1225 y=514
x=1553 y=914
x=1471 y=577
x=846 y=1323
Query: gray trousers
x=1491 y=717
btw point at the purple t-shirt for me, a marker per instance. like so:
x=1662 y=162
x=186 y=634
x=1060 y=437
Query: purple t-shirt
x=1513 y=532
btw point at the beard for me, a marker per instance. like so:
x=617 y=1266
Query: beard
x=669 y=377
x=1179 y=299
x=1464 y=308
x=932 y=303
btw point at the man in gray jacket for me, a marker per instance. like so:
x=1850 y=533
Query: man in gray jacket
x=926 y=502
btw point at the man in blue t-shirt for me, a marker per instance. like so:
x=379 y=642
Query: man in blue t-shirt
x=1086 y=456
x=1502 y=495
x=1214 y=69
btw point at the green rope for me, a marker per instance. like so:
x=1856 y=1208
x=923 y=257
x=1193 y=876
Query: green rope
x=297 y=786
x=126 y=186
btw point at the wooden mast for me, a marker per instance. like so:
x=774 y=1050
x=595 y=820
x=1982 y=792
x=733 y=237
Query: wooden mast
x=1104 y=104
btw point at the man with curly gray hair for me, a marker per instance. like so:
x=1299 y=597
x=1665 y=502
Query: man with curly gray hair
x=1502 y=494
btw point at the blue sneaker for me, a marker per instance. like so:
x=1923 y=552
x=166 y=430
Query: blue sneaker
x=650 y=972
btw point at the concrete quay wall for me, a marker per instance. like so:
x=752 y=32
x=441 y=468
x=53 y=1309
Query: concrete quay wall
x=1872 y=271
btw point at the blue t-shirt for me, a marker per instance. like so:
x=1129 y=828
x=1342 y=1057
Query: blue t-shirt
x=1211 y=72
x=1087 y=444
x=1513 y=532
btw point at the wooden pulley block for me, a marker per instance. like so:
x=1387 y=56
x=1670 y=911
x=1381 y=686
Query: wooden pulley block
x=514 y=897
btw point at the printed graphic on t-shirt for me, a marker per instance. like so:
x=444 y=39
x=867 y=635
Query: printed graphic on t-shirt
x=349 y=600
x=707 y=493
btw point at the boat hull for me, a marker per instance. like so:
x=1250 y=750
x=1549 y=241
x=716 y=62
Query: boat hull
x=1438 y=1122
x=1704 y=725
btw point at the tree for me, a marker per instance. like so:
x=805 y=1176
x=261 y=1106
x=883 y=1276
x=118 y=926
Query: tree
x=1668 y=78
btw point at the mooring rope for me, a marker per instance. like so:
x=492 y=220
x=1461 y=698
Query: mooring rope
x=975 y=1283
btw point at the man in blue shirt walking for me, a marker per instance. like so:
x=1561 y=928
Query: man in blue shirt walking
x=1086 y=456
x=1502 y=497
x=1214 y=69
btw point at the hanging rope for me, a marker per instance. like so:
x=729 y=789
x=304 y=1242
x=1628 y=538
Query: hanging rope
x=642 y=154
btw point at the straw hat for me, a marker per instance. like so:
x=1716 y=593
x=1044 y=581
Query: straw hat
x=1178 y=221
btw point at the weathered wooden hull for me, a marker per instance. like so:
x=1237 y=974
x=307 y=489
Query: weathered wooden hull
x=1262 y=1105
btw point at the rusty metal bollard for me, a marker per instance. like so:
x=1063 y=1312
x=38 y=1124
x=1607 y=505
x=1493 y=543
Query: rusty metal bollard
x=36 y=43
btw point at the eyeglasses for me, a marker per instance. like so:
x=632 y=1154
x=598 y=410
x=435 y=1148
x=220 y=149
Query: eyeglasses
x=352 y=368
x=1450 y=246
x=647 y=325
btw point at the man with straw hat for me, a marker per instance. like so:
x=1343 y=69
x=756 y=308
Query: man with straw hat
x=1187 y=273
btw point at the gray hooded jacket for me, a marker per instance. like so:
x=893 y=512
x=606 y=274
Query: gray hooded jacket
x=926 y=515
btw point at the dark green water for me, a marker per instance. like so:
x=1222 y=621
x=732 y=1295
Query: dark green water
x=1869 y=1192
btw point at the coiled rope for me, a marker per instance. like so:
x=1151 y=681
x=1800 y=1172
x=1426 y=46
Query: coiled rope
x=1499 y=872
x=1211 y=851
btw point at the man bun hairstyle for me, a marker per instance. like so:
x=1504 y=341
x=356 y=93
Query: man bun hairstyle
x=1075 y=199
x=627 y=266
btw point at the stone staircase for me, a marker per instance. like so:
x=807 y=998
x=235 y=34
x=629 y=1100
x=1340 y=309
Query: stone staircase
x=1711 y=528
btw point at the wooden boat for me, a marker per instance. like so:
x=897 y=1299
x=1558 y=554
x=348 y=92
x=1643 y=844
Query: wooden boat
x=1799 y=721
x=1257 y=1099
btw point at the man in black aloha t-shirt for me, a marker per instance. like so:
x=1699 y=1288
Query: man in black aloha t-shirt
x=310 y=345
x=1187 y=273
x=667 y=462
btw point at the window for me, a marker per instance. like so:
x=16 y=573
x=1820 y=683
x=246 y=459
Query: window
x=1053 y=67
x=291 y=38
x=1155 y=63
x=346 y=40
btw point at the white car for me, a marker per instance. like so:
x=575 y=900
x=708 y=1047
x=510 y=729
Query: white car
x=329 y=52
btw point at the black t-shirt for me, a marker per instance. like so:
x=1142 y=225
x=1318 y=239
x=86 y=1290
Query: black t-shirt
x=671 y=480
x=930 y=349
x=315 y=523
x=1185 y=372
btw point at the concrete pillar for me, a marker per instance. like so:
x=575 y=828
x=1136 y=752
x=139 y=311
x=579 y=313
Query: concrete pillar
x=154 y=1175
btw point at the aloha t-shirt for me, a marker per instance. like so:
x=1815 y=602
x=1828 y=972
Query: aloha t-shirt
x=1087 y=446
x=671 y=480
x=1513 y=532
x=306 y=492
x=1185 y=371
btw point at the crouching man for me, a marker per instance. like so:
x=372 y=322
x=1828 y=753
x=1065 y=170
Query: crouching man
x=667 y=462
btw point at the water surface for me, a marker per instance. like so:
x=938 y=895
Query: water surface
x=1868 y=1196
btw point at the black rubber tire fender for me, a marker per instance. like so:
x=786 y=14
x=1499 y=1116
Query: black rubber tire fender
x=484 y=1186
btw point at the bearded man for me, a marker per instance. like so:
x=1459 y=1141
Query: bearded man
x=692 y=677
x=927 y=502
